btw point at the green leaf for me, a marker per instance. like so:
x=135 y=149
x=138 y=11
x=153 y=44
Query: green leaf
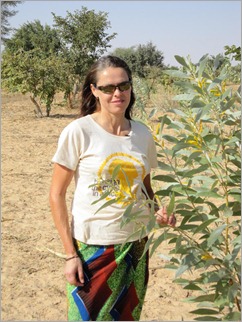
x=181 y=281
x=210 y=194
x=204 y=180
x=185 y=212
x=152 y=113
x=164 y=167
x=128 y=210
x=186 y=85
x=164 y=178
x=180 y=146
x=193 y=287
x=170 y=266
x=170 y=138
x=193 y=156
x=142 y=232
x=151 y=224
x=233 y=316
x=227 y=93
x=205 y=311
x=233 y=292
x=103 y=196
x=133 y=236
x=187 y=227
x=216 y=62
x=164 y=120
x=215 y=234
x=181 y=61
x=213 y=84
x=171 y=206
x=203 y=112
x=202 y=298
x=236 y=251
x=163 y=193
x=227 y=212
x=181 y=270
x=207 y=318
x=202 y=65
x=158 y=241
x=203 y=226
x=184 y=204
x=200 y=169
x=229 y=104
x=184 y=97
x=116 y=171
x=106 y=204
x=176 y=73
x=176 y=126
x=177 y=112
x=184 y=190
x=147 y=245
x=126 y=178
x=133 y=216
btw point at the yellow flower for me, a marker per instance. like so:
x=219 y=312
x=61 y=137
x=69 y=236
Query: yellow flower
x=206 y=257
x=155 y=138
x=157 y=129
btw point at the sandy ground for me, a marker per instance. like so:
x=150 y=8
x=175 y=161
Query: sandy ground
x=33 y=284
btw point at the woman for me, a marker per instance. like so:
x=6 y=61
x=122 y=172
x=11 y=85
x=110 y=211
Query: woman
x=110 y=156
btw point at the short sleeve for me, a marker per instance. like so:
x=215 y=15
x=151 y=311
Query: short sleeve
x=69 y=147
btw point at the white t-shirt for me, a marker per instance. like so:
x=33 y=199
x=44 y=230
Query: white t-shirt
x=93 y=153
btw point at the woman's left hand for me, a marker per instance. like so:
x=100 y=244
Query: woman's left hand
x=162 y=217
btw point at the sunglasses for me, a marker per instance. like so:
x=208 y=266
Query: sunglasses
x=110 y=89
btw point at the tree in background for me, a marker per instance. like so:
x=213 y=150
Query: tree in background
x=30 y=62
x=145 y=61
x=32 y=72
x=41 y=60
x=7 y=13
x=141 y=58
x=33 y=35
x=234 y=51
x=84 y=38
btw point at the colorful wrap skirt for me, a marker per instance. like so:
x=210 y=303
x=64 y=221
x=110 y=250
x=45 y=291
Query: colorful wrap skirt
x=116 y=280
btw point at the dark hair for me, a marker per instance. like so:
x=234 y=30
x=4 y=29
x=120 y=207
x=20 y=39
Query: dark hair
x=89 y=101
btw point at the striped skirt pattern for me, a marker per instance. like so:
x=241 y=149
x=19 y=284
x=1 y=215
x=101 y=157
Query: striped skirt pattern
x=115 y=283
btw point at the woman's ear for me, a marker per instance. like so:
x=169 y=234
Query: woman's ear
x=93 y=89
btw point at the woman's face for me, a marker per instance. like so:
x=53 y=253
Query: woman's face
x=116 y=102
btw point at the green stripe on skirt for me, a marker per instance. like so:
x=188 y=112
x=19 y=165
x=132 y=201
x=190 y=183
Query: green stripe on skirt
x=116 y=283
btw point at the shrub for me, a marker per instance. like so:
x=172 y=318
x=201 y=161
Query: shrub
x=200 y=171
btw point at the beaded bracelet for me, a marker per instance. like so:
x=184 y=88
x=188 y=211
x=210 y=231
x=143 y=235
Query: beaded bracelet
x=75 y=256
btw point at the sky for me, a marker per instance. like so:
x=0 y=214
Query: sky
x=183 y=28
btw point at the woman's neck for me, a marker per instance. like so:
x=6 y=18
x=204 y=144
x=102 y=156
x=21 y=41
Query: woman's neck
x=115 y=124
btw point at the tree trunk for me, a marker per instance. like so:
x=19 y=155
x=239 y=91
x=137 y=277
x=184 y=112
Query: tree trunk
x=48 y=108
x=69 y=101
x=37 y=110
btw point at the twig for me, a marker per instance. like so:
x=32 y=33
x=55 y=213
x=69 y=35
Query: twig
x=51 y=251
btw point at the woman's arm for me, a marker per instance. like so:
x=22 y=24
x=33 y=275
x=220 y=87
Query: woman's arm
x=61 y=179
x=162 y=217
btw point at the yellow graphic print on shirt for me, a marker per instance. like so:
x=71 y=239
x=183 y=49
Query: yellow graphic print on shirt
x=131 y=171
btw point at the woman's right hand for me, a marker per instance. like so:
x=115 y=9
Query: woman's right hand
x=74 y=272
x=162 y=217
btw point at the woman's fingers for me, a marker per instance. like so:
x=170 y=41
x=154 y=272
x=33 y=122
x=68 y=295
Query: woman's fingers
x=172 y=220
x=162 y=217
x=74 y=272
x=81 y=275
